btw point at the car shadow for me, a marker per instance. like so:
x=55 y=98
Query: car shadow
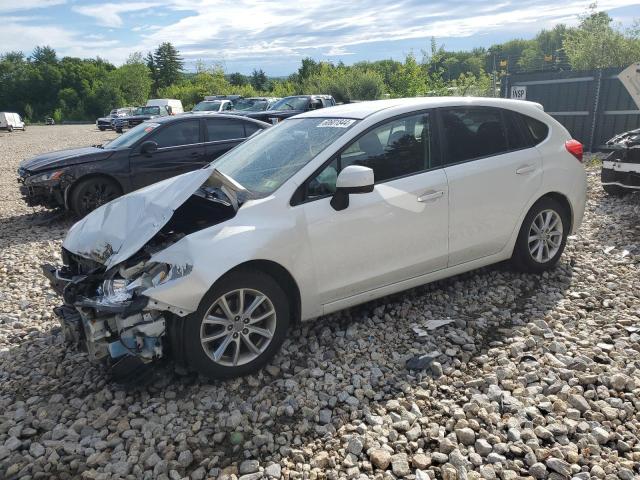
x=321 y=366
x=41 y=225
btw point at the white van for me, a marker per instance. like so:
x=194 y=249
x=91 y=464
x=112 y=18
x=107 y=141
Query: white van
x=11 y=121
x=176 y=105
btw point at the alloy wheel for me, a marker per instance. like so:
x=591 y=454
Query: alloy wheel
x=98 y=194
x=238 y=327
x=545 y=236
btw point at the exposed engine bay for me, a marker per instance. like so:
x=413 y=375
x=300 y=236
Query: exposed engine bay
x=106 y=312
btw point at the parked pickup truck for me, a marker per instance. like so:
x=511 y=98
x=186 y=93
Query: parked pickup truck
x=290 y=106
x=621 y=168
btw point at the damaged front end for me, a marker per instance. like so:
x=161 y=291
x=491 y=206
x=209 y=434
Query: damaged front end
x=108 y=267
x=621 y=167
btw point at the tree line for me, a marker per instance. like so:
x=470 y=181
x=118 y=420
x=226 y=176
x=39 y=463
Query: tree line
x=68 y=88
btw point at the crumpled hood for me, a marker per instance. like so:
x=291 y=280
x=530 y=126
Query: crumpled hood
x=115 y=231
x=65 y=158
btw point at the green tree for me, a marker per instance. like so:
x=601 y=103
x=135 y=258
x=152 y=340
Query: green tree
x=165 y=65
x=258 y=80
x=237 y=79
x=597 y=44
x=133 y=80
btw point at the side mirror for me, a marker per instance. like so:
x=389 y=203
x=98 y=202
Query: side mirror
x=148 y=147
x=351 y=180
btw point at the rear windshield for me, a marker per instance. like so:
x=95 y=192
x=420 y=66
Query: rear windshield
x=207 y=107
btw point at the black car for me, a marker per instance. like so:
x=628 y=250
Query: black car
x=82 y=179
x=139 y=115
x=290 y=106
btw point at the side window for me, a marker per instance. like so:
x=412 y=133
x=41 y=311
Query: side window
x=473 y=132
x=178 y=133
x=517 y=137
x=395 y=149
x=219 y=129
x=228 y=106
x=538 y=130
x=250 y=128
x=323 y=183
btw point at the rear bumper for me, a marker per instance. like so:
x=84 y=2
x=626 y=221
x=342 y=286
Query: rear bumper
x=621 y=174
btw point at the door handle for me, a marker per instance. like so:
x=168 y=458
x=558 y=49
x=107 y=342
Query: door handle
x=430 y=196
x=525 y=169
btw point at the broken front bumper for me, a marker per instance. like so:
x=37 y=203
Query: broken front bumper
x=106 y=330
x=622 y=174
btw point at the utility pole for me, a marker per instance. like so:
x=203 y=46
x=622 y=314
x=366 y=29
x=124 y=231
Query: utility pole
x=493 y=76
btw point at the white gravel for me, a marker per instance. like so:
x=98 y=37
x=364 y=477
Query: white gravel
x=536 y=377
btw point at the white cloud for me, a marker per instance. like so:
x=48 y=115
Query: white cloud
x=110 y=14
x=264 y=32
x=16 y=5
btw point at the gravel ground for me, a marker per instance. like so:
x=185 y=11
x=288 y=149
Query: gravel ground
x=535 y=377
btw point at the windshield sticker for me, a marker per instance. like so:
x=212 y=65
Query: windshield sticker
x=150 y=127
x=336 y=123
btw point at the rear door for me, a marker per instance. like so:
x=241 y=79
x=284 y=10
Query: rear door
x=222 y=134
x=492 y=172
x=180 y=149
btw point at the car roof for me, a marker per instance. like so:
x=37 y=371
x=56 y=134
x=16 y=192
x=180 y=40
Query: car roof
x=361 y=110
x=171 y=118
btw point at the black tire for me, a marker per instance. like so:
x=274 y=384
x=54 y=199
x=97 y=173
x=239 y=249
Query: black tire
x=250 y=281
x=118 y=130
x=10 y=128
x=522 y=256
x=614 y=190
x=90 y=193
x=102 y=129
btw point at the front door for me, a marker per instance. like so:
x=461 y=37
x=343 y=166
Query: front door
x=398 y=231
x=180 y=150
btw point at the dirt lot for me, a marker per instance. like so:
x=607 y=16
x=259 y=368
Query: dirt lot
x=537 y=377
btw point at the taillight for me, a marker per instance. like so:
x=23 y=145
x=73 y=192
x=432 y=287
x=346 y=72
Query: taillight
x=574 y=147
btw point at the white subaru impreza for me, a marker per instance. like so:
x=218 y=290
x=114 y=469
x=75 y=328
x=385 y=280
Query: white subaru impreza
x=326 y=210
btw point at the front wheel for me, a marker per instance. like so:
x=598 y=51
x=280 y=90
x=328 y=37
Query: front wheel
x=91 y=193
x=542 y=237
x=239 y=326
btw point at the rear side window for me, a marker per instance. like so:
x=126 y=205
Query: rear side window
x=473 y=132
x=538 y=130
x=178 y=133
x=219 y=130
x=250 y=128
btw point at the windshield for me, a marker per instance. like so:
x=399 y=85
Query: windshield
x=252 y=105
x=291 y=103
x=147 y=111
x=130 y=137
x=207 y=107
x=266 y=161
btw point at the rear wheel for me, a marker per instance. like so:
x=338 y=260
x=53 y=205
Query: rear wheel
x=239 y=326
x=542 y=236
x=91 y=193
x=102 y=129
x=10 y=128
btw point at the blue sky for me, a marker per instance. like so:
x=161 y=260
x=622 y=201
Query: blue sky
x=275 y=35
